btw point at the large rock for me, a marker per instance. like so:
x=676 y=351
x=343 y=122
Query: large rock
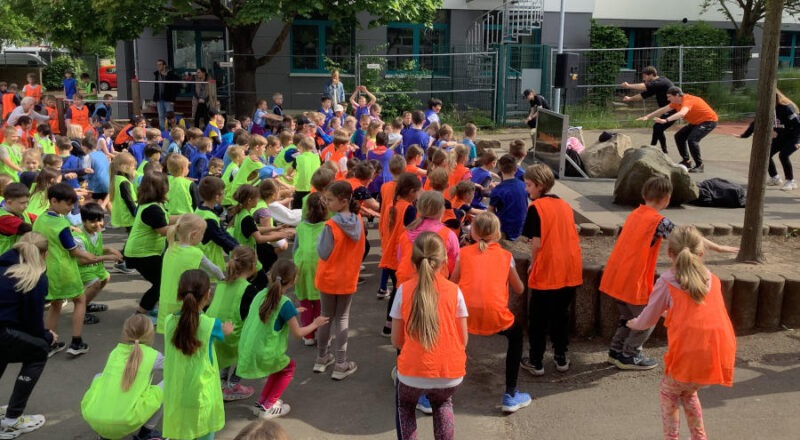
x=640 y=164
x=603 y=158
x=482 y=145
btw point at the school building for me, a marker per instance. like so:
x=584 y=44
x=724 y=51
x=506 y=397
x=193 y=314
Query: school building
x=529 y=27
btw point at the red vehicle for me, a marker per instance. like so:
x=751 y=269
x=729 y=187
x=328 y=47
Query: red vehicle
x=107 y=77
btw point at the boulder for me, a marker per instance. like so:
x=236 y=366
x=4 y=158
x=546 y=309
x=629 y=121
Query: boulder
x=602 y=159
x=482 y=145
x=640 y=164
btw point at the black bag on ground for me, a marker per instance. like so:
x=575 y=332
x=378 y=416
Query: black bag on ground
x=720 y=193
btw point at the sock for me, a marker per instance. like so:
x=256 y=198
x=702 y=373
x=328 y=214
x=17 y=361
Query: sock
x=9 y=421
x=77 y=340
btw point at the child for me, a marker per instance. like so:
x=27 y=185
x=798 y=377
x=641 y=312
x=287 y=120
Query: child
x=215 y=166
x=396 y=166
x=370 y=141
x=98 y=181
x=286 y=158
x=702 y=344
x=630 y=270
x=509 y=200
x=122 y=398
x=199 y=160
x=180 y=200
x=152 y=153
x=401 y=213
x=33 y=88
x=192 y=136
x=429 y=329
x=460 y=172
x=78 y=114
x=105 y=142
x=182 y=254
x=43 y=140
x=264 y=340
x=305 y=257
x=213 y=128
x=63 y=275
x=70 y=88
x=216 y=241
x=470 y=131
x=484 y=273
x=275 y=208
x=482 y=175
x=11 y=154
x=260 y=118
x=361 y=105
x=38 y=202
x=555 y=269
x=337 y=154
x=193 y=405
x=383 y=155
x=236 y=154
x=248 y=170
x=177 y=135
x=31 y=165
x=375 y=113
x=52 y=113
x=306 y=164
x=340 y=249
x=359 y=137
x=414 y=156
x=137 y=147
x=122 y=197
x=226 y=306
x=15 y=221
x=277 y=109
x=93 y=273
x=432 y=113
x=518 y=150
x=325 y=108
x=444 y=139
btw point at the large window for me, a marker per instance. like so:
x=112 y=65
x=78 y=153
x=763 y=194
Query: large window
x=312 y=41
x=192 y=48
x=638 y=57
x=789 y=55
x=408 y=42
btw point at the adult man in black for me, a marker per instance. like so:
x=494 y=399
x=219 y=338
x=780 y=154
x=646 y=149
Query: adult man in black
x=653 y=85
x=164 y=94
x=536 y=101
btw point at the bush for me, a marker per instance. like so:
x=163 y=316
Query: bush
x=604 y=65
x=459 y=118
x=53 y=73
x=789 y=83
x=699 y=65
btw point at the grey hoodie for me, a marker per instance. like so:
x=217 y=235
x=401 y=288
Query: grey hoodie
x=351 y=226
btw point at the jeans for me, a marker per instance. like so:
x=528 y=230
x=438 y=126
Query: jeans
x=628 y=341
x=164 y=107
x=31 y=352
x=441 y=399
x=548 y=312
x=783 y=146
x=691 y=135
x=337 y=308
x=150 y=269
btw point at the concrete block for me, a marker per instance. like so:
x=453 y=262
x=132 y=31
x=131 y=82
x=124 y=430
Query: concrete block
x=770 y=301
x=790 y=312
x=704 y=228
x=737 y=229
x=588 y=230
x=608 y=317
x=779 y=230
x=745 y=301
x=726 y=281
x=586 y=301
x=721 y=229
x=609 y=230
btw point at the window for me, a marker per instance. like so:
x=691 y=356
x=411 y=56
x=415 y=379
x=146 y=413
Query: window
x=312 y=41
x=789 y=56
x=639 y=55
x=412 y=42
x=192 y=48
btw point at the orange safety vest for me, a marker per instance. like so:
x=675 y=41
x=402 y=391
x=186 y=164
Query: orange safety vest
x=484 y=283
x=457 y=175
x=387 y=198
x=631 y=267
x=8 y=104
x=335 y=157
x=338 y=274
x=558 y=262
x=34 y=91
x=447 y=358
x=389 y=244
x=123 y=136
x=702 y=344
x=80 y=116
x=54 y=127
x=406 y=269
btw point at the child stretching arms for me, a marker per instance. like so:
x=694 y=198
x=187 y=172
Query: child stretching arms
x=429 y=328
x=702 y=345
x=306 y=258
x=265 y=338
x=216 y=241
x=340 y=248
x=484 y=273
x=122 y=399
x=193 y=406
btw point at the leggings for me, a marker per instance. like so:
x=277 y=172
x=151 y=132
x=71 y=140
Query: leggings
x=513 y=355
x=150 y=269
x=674 y=394
x=307 y=316
x=658 y=132
x=386 y=275
x=337 y=308
x=31 y=352
x=783 y=146
x=444 y=424
x=276 y=385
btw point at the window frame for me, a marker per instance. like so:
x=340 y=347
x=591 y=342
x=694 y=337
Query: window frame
x=322 y=26
x=415 y=54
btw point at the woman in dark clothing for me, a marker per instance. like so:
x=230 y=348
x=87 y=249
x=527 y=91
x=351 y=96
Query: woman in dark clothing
x=200 y=99
x=23 y=337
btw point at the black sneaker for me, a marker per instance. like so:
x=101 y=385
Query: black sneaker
x=386 y=332
x=78 y=349
x=534 y=367
x=562 y=363
x=613 y=356
x=56 y=347
x=638 y=362
x=698 y=169
x=686 y=163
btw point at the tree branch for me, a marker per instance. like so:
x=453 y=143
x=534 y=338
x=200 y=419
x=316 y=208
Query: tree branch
x=277 y=44
x=724 y=9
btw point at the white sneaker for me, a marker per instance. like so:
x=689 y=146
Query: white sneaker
x=276 y=410
x=24 y=424
x=322 y=364
x=790 y=185
x=774 y=181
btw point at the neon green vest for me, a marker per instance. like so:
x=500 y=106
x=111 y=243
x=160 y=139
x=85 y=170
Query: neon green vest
x=306 y=163
x=211 y=250
x=87 y=90
x=46 y=144
x=264 y=349
x=248 y=167
x=237 y=234
x=38 y=203
x=121 y=217
x=113 y=413
x=179 y=197
x=177 y=260
x=225 y=307
x=192 y=389
x=8 y=241
x=306 y=258
x=15 y=155
x=280 y=162
x=63 y=276
x=95 y=271
x=144 y=241
x=227 y=179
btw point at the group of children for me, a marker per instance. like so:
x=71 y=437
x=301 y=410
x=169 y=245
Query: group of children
x=202 y=211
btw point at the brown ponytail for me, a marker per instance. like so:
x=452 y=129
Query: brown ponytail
x=280 y=277
x=137 y=330
x=343 y=191
x=192 y=290
x=406 y=183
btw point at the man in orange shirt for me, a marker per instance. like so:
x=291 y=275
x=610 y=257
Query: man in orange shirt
x=700 y=120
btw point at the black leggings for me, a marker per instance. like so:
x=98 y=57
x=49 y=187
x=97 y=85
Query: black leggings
x=513 y=355
x=658 y=132
x=20 y=347
x=783 y=146
x=150 y=269
x=548 y=312
x=201 y=112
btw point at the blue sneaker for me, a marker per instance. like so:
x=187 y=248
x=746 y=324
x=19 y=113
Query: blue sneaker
x=424 y=405
x=513 y=403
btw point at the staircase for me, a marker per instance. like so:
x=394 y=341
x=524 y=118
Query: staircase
x=505 y=24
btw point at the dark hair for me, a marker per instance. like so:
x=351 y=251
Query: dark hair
x=153 y=188
x=193 y=287
x=650 y=70
x=343 y=191
x=417 y=117
x=16 y=190
x=43 y=129
x=50 y=160
x=325 y=98
x=45 y=179
x=507 y=164
x=517 y=148
x=62 y=192
x=322 y=177
x=267 y=189
x=280 y=276
x=675 y=91
x=381 y=138
x=107 y=125
x=316 y=211
x=210 y=186
x=413 y=152
x=151 y=150
x=406 y=182
x=92 y=212
x=433 y=102
x=242 y=195
x=24 y=120
x=363 y=171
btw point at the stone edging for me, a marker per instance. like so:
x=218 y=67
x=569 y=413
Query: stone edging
x=707 y=229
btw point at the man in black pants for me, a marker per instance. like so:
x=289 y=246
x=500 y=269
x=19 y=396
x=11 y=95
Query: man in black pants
x=653 y=85
x=536 y=102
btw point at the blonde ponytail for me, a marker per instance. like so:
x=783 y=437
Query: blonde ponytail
x=686 y=246
x=186 y=225
x=138 y=329
x=31 y=248
x=428 y=256
x=486 y=229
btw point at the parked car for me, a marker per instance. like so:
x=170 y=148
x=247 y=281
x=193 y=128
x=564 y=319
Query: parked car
x=107 y=77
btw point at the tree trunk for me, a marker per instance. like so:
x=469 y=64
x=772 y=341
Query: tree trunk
x=244 y=69
x=740 y=56
x=762 y=137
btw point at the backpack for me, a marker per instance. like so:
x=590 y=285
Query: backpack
x=720 y=193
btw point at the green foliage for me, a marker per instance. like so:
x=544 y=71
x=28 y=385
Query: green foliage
x=459 y=118
x=789 y=83
x=53 y=73
x=730 y=104
x=13 y=27
x=604 y=65
x=699 y=65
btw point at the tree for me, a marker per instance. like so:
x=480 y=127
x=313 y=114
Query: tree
x=603 y=65
x=13 y=27
x=750 y=248
x=243 y=19
x=744 y=37
x=698 y=65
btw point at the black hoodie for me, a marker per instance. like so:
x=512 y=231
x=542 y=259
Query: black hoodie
x=22 y=311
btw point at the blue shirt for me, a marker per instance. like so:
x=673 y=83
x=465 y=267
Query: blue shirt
x=69 y=87
x=481 y=177
x=416 y=136
x=384 y=159
x=198 y=165
x=285 y=314
x=72 y=164
x=473 y=152
x=137 y=150
x=430 y=117
x=510 y=202
x=99 y=181
x=520 y=174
